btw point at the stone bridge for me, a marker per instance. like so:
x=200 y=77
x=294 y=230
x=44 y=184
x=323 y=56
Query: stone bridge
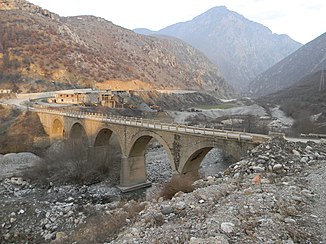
x=186 y=146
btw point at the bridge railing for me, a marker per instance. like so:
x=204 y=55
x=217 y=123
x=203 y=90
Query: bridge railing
x=156 y=124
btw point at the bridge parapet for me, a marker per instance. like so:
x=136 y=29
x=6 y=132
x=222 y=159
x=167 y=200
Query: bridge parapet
x=158 y=125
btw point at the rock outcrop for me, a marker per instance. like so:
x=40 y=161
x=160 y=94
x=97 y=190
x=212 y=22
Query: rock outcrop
x=26 y=6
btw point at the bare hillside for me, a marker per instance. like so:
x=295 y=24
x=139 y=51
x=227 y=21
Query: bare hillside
x=40 y=51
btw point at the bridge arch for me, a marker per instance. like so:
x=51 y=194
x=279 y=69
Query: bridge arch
x=77 y=132
x=102 y=137
x=138 y=144
x=104 y=134
x=106 y=153
x=135 y=154
x=57 y=128
x=194 y=156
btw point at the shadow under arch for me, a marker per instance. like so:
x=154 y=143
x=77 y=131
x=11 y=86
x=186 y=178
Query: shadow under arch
x=78 y=140
x=136 y=155
x=77 y=132
x=106 y=153
x=103 y=137
x=197 y=153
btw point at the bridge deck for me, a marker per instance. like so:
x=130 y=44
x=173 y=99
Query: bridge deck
x=154 y=124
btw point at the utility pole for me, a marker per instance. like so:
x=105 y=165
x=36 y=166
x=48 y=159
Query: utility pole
x=322 y=81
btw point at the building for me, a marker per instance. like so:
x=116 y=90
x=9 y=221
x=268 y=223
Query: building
x=107 y=98
x=77 y=98
x=111 y=100
x=5 y=91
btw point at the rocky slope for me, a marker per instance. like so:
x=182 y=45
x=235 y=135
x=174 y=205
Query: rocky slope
x=275 y=195
x=305 y=61
x=42 y=51
x=269 y=197
x=241 y=48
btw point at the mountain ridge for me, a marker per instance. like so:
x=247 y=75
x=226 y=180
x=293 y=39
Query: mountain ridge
x=241 y=48
x=306 y=60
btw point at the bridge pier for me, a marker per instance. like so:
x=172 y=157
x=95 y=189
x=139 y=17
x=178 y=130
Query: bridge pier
x=133 y=174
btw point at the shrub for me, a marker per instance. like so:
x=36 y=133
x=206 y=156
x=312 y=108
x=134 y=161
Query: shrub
x=70 y=162
x=179 y=183
x=73 y=165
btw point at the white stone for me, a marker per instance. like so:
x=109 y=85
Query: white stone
x=277 y=167
x=263 y=157
x=308 y=148
x=209 y=178
x=236 y=175
x=18 y=181
x=6 y=236
x=227 y=227
x=134 y=231
x=180 y=205
x=295 y=152
x=166 y=209
x=322 y=141
x=289 y=221
x=48 y=236
x=160 y=200
x=304 y=159
x=258 y=169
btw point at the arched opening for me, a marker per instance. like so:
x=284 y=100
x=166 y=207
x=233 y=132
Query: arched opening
x=57 y=129
x=103 y=138
x=206 y=161
x=158 y=168
x=106 y=155
x=150 y=160
x=158 y=165
x=193 y=163
x=78 y=133
x=77 y=144
x=214 y=162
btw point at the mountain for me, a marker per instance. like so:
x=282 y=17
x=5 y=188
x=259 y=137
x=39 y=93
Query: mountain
x=144 y=31
x=306 y=60
x=305 y=98
x=241 y=48
x=40 y=50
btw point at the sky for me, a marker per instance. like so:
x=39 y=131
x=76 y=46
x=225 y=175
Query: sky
x=302 y=20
